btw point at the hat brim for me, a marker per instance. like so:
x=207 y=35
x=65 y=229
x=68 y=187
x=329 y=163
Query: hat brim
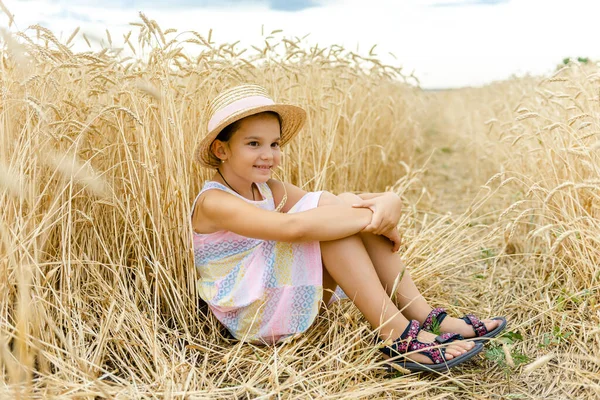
x=292 y=120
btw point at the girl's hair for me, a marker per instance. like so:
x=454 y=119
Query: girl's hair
x=230 y=129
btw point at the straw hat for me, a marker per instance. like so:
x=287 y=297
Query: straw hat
x=240 y=102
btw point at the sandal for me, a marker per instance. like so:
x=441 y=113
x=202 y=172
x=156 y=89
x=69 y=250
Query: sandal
x=407 y=342
x=479 y=328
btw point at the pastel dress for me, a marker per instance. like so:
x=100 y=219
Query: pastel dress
x=262 y=291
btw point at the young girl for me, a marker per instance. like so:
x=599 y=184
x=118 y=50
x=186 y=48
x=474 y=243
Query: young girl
x=265 y=250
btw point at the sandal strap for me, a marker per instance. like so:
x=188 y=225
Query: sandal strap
x=438 y=313
x=478 y=326
x=402 y=344
x=436 y=355
x=407 y=342
x=448 y=337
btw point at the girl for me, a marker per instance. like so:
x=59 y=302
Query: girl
x=263 y=268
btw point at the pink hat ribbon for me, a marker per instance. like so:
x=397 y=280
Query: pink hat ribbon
x=238 y=105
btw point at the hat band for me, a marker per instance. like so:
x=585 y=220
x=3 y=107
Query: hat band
x=238 y=105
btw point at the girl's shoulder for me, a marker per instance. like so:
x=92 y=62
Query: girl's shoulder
x=209 y=185
x=211 y=190
x=274 y=185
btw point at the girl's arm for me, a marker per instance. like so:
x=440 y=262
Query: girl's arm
x=386 y=207
x=224 y=211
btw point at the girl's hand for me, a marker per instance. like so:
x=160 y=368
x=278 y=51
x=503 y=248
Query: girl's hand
x=394 y=237
x=386 y=208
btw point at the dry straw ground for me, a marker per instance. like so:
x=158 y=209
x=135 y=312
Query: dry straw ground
x=501 y=187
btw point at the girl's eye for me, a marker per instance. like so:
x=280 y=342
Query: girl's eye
x=275 y=145
x=253 y=144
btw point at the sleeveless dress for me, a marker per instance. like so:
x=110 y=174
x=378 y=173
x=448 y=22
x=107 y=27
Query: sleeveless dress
x=262 y=291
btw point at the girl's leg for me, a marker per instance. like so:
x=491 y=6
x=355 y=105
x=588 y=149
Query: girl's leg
x=329 y=286
x=389 y=266
x=348 y=263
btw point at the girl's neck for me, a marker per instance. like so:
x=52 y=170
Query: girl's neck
x=244 y=189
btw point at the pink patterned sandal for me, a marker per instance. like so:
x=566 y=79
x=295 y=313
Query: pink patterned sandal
x=481 y=332
x=407 y=342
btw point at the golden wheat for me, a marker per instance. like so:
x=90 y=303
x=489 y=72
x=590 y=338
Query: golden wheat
x=96 y=274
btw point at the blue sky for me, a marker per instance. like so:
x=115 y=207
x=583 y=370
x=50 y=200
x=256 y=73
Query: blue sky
x=281 y=5
x=464 y=3
x=447 y=43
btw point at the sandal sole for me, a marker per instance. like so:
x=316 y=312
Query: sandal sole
x=416 y=367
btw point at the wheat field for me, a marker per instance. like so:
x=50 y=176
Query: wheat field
x=501 y=188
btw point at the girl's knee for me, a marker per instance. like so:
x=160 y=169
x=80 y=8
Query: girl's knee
x=348 y=198
x=329 y=199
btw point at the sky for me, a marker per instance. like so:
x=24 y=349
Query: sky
x=447 y=43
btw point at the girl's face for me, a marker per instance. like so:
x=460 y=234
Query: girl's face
x=253 y=149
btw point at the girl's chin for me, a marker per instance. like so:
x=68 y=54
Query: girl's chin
x=262 y=174
x=261 y=179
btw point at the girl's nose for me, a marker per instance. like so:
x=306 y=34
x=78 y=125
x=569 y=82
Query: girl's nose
x=266 y=155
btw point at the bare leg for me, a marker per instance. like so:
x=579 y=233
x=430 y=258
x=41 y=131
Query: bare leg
x=329 y=286
x=348 y=263
x=389 y=266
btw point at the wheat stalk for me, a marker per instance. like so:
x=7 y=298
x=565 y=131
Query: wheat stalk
x=97 y=282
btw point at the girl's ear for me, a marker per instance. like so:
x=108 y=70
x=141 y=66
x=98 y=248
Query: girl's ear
x=218 y=149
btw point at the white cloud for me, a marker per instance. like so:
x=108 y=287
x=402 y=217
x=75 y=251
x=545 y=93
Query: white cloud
x=446 y=46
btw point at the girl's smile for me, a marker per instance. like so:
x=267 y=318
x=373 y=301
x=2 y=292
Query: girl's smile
x=263 y=168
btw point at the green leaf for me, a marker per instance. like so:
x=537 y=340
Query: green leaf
x=519 y=358
x=545 y=340
x=495 y=354
x=513 y=335
x=506 y=340
x=435 y=326
x=487 y=253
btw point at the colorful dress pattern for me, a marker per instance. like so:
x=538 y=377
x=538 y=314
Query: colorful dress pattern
x=262 y=291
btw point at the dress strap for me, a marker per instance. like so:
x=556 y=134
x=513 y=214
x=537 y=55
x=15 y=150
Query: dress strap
x=194 y=206
x=267 y=194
